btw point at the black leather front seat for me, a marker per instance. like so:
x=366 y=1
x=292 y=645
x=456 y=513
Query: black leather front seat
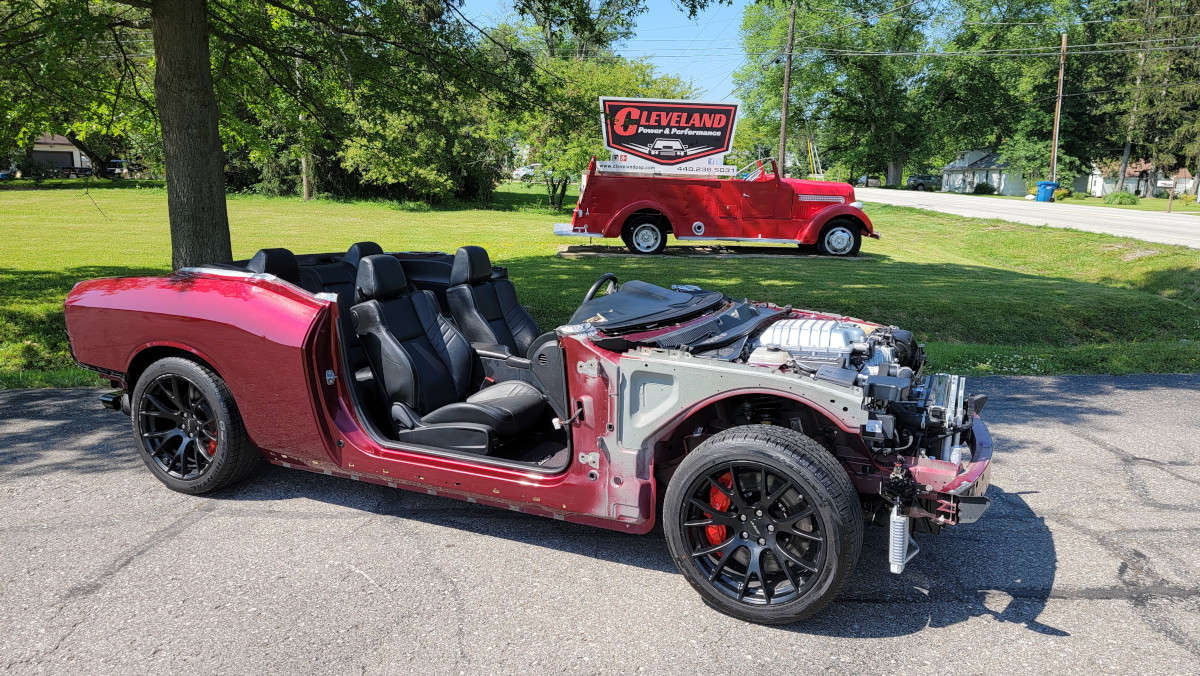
x=424 y=367
x=279 y=262
x=486 y=308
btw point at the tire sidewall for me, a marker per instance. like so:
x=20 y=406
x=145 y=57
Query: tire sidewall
x=629 y=232
x=199 y=377
x=831 y=575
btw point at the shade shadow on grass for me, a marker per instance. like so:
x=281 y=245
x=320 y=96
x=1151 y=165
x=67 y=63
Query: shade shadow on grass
x=34 y=350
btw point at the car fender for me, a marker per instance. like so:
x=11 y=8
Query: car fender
x=613 y=227
x=811 y=231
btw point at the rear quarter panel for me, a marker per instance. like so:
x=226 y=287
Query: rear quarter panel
x=257 y=333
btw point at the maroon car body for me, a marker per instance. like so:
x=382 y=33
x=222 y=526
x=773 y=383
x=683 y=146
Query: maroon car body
x=636 y=398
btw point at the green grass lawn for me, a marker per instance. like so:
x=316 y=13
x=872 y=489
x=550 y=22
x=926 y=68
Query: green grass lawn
x=986 y=296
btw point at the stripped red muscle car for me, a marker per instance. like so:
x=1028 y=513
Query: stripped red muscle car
x=763 y=433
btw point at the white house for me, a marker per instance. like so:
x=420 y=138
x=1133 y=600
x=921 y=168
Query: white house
x=983 y=165
x=1140 y=178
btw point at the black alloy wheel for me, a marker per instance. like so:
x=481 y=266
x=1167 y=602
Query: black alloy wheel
x=179 y=427
x=188 y=429
x=754 y=533
x=764 y=523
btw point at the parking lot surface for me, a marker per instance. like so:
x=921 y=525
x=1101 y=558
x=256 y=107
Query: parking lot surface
x=1088 y=562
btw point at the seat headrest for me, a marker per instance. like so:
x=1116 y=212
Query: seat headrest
x=278 y=262
x=471 y=266
x=379 y=277
x=361 y=250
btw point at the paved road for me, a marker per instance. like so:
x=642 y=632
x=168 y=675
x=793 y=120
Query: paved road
x=1174 y=228
x=1089 y=562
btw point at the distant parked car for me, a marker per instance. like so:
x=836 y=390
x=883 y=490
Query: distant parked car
x=119 y=168
x=528 y=173
x=868 y=182
x=924 y=182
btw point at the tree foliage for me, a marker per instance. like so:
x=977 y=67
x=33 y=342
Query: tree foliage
x=884 y=86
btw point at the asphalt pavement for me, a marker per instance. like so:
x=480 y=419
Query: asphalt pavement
x=1161 y=227
x=1088 y=562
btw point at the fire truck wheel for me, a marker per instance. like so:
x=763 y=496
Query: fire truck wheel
x=840 y=238
x=644 y=236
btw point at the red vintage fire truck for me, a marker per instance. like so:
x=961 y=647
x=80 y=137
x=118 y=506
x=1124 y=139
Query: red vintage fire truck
x=757 y=205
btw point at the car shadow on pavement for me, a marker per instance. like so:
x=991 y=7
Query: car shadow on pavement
x=1002 y=567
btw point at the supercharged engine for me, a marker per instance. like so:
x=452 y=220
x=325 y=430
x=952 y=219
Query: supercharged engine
x=909 y=413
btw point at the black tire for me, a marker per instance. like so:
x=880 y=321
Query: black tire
x=814 y=494
x=840 y=237
x=645 y=235
x=181 y=408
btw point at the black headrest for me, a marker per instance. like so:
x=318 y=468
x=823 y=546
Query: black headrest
x=361 y=250
x=471 y=266
x=278 y=262
x=379 y=278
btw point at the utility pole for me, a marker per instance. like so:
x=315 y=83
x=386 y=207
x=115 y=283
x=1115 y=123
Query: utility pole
x=1062 y=66
x=787 y=84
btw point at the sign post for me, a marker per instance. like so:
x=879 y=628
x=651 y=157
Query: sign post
x=667 y=136
x=1169 y=184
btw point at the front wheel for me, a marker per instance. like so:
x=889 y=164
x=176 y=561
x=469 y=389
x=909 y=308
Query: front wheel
x=645 y=237
x=764 y=523
x=840 y=238
x=188 y=428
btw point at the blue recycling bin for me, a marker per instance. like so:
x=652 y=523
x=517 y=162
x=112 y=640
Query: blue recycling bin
x=1045 y=191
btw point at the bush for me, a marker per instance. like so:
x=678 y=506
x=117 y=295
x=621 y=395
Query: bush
x=1187 y=199
x=1061 y=194
x=36 y=169
x=1121 y=197
x=1080 y=195
x=984 y=189
x=1159 y=193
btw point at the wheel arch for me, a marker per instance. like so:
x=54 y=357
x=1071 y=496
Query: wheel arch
x=670 y=441
x=619 y=220
x=147 y=354
x=841 y=211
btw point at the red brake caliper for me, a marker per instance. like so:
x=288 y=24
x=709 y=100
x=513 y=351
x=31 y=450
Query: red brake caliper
x=718 y=534
x=212 y=446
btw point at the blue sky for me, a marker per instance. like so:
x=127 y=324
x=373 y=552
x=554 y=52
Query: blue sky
x=705 y=50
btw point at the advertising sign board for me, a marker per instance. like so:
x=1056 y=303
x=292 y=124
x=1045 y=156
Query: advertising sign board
x=667 y=135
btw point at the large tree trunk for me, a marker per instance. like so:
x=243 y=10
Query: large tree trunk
x=187 y=109
x=895 y=169
x=1137 y=95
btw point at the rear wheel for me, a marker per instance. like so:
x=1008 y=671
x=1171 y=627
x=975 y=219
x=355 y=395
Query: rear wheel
x=841 y=237
x=645 y=236
x=764 y=523
x=188 y=428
